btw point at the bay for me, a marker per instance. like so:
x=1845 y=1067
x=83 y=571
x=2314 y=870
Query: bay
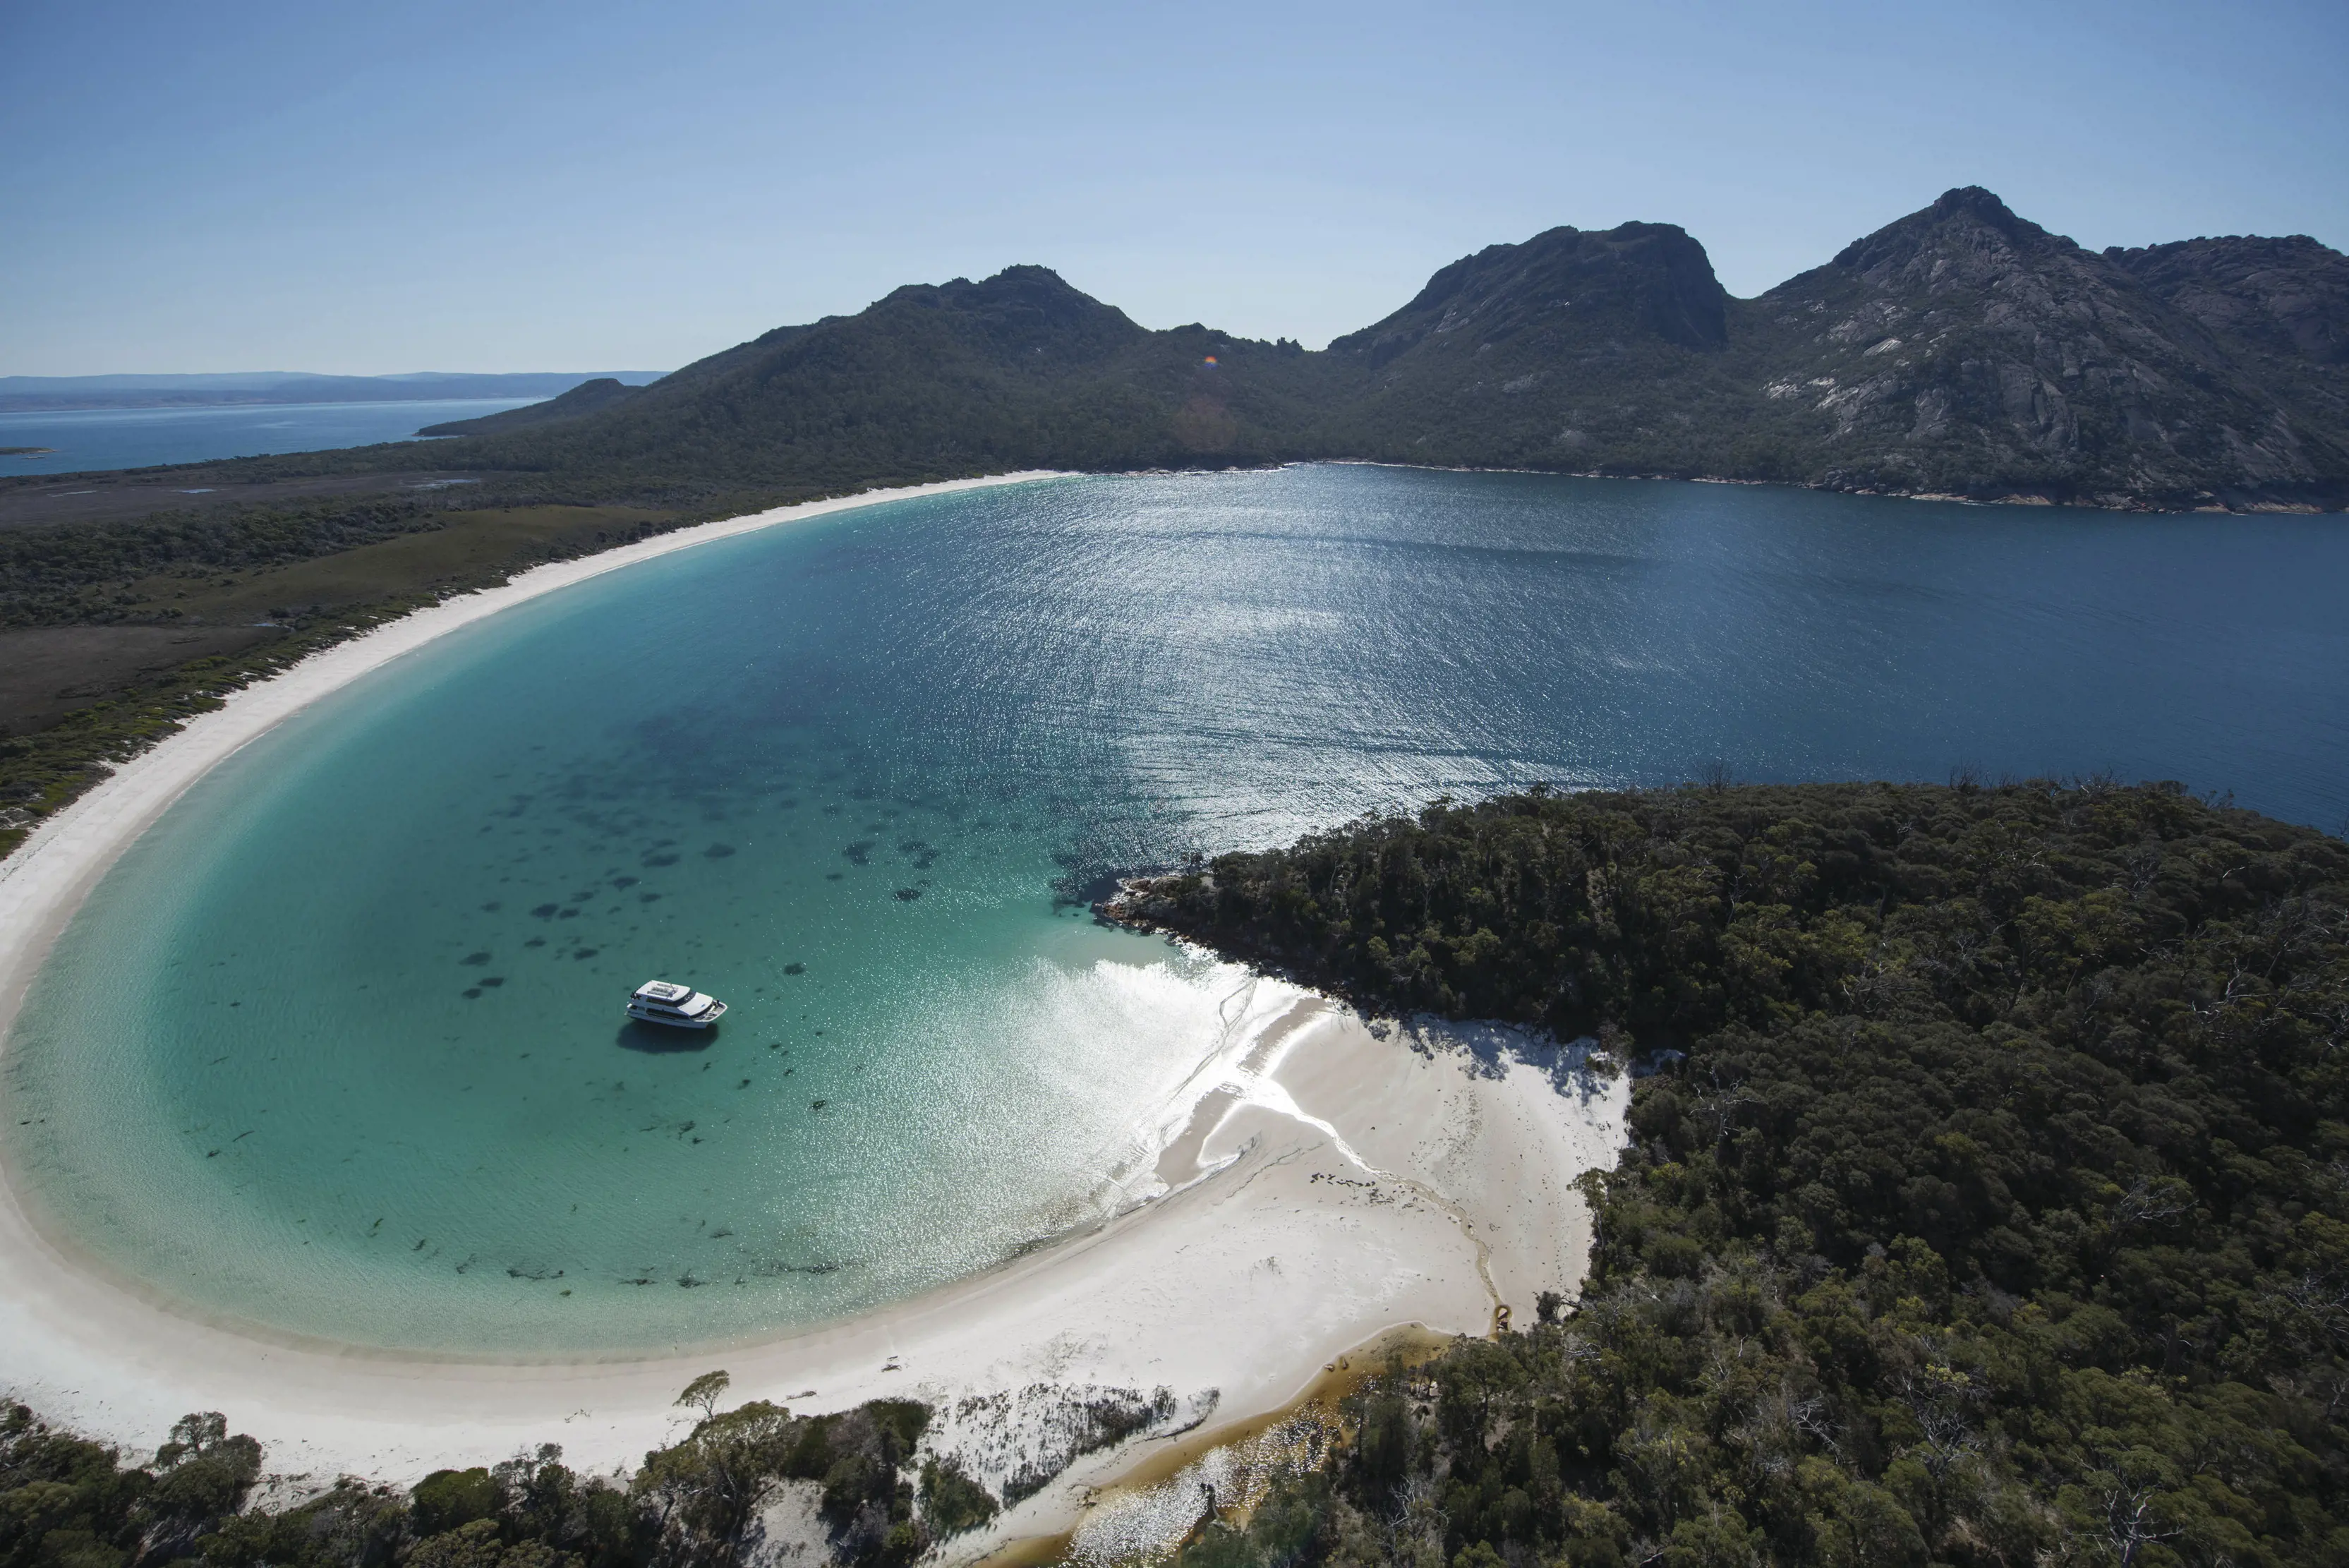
x=335 y=1048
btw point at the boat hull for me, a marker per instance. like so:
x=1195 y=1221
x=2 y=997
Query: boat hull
x=675 y=1021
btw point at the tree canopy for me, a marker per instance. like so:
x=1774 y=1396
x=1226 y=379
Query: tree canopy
x=1988 y=1194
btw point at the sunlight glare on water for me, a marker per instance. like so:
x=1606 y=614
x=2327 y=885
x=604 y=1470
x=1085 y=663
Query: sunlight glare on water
x=337 y=1048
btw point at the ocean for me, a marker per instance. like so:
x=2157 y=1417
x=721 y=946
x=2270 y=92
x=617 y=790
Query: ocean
x=139 y=438
x=335 y=1050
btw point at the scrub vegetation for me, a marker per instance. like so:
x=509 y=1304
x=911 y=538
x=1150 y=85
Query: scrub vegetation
x=1960 y=351
x=1988 y=1202
x=1988 y=1196
x=306 y=580
x=178 y=566
x=68 y=1503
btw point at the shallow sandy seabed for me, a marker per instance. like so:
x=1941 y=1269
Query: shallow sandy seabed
x=1323 y=1180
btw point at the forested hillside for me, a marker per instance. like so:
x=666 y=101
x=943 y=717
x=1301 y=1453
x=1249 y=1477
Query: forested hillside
x=1599 y=352
x=1018 y=371
x=1988 y=1200
x=588 y=398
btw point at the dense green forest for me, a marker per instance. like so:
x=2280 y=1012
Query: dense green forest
x=1021 y=370
x=1988 y=1200
x=1961 y=350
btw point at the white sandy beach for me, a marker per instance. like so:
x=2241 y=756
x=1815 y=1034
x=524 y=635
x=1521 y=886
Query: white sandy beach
x=1324 y=1181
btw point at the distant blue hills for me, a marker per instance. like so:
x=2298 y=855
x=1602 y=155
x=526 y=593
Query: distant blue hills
x=19 y=392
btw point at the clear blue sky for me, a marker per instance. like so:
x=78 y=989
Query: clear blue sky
x=249 y=184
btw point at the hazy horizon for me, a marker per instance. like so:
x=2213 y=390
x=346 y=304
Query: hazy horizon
x=220 y=377
x=359 y=193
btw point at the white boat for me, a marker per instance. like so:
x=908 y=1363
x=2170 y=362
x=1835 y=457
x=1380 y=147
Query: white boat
x=679 y=1006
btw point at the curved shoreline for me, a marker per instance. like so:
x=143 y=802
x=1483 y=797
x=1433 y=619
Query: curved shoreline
x=1334 y=1181
x=48 y=878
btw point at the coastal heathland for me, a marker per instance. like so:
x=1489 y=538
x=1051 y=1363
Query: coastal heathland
x=68 y=1502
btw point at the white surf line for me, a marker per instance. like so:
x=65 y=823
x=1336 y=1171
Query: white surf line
x=1261 y=1087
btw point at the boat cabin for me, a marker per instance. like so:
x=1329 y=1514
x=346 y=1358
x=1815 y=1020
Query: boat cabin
x=666 y=1002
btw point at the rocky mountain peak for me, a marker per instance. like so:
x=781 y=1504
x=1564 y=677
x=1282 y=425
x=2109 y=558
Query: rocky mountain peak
x=1973 y=201
x=1020 y=311
x=1968 y=228
x=1636 y=282
x=1963 y=349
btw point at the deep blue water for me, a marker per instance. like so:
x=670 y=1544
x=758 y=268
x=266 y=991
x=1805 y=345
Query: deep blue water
x=138 y=438
x=336 y=1046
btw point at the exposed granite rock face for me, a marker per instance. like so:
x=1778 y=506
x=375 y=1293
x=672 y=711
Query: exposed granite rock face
x=2280 y=307
x=1965 y=349
x=2275 y=298
x=1961 y=350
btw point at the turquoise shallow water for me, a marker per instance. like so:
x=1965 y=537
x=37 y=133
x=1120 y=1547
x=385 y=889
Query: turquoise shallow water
x=336 y=1047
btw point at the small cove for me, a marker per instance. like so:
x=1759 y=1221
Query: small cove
x=335 y=1047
